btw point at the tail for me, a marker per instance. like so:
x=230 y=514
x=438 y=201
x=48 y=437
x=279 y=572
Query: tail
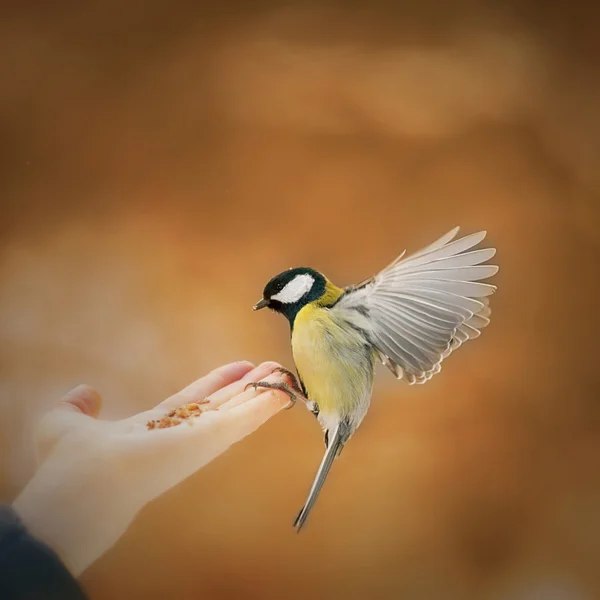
x=333 y=449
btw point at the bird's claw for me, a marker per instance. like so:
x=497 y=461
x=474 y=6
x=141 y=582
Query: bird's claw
x=295 y=384
x=280 y=385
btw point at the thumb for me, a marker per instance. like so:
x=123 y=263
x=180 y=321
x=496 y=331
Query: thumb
x=78 y=408
x=82 y=399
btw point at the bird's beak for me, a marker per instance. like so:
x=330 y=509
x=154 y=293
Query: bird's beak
x=262 y=303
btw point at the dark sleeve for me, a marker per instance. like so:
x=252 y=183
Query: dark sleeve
x=28 y=568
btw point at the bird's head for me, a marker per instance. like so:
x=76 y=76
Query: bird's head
x=291 y=290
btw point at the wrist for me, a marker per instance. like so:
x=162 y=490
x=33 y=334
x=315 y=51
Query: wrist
x=35 y=518
x=73 y=505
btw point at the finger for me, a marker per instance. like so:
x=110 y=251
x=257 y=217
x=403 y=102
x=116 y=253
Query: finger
x=203 y=387
x=225 y=394
x=252 y=393
x=82 y=404
x=209 y=402
x=242 y=420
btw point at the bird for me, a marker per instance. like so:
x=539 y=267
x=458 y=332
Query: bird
x=410 y=316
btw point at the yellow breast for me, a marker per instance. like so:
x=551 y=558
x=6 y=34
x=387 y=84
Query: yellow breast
x=333 y=361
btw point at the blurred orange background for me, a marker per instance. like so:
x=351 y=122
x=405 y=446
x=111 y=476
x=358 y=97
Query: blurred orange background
x=161 y=161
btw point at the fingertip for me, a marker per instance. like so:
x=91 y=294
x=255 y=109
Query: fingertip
x=234 y=370
x=264 y=405
x=269 y=365
x=263 y=370
x=224 y=375
x=246 y=363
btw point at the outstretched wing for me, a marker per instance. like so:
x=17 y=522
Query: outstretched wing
x=422 y=307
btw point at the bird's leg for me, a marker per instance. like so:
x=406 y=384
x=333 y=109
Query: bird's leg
x=294 y=391
x=280 y=385
x=295 y=384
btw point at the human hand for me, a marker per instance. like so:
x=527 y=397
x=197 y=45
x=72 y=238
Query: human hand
x=95 y=475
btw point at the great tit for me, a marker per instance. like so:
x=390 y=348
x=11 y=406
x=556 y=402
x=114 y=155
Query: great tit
x=410 y=316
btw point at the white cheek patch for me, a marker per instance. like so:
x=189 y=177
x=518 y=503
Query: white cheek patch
x=295 y=289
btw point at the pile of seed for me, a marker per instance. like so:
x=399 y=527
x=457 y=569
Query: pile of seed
x=178 y=415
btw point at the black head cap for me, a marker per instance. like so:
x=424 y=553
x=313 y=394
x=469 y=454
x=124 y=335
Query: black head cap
x=291 y=290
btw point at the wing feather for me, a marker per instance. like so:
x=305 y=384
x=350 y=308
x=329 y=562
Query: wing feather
x=442 y=241
x=422 y=307
x=467 y=259
x=475 y=273
x=425 y=323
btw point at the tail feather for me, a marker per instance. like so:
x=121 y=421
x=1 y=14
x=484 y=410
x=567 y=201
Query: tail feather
x=336 y=443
